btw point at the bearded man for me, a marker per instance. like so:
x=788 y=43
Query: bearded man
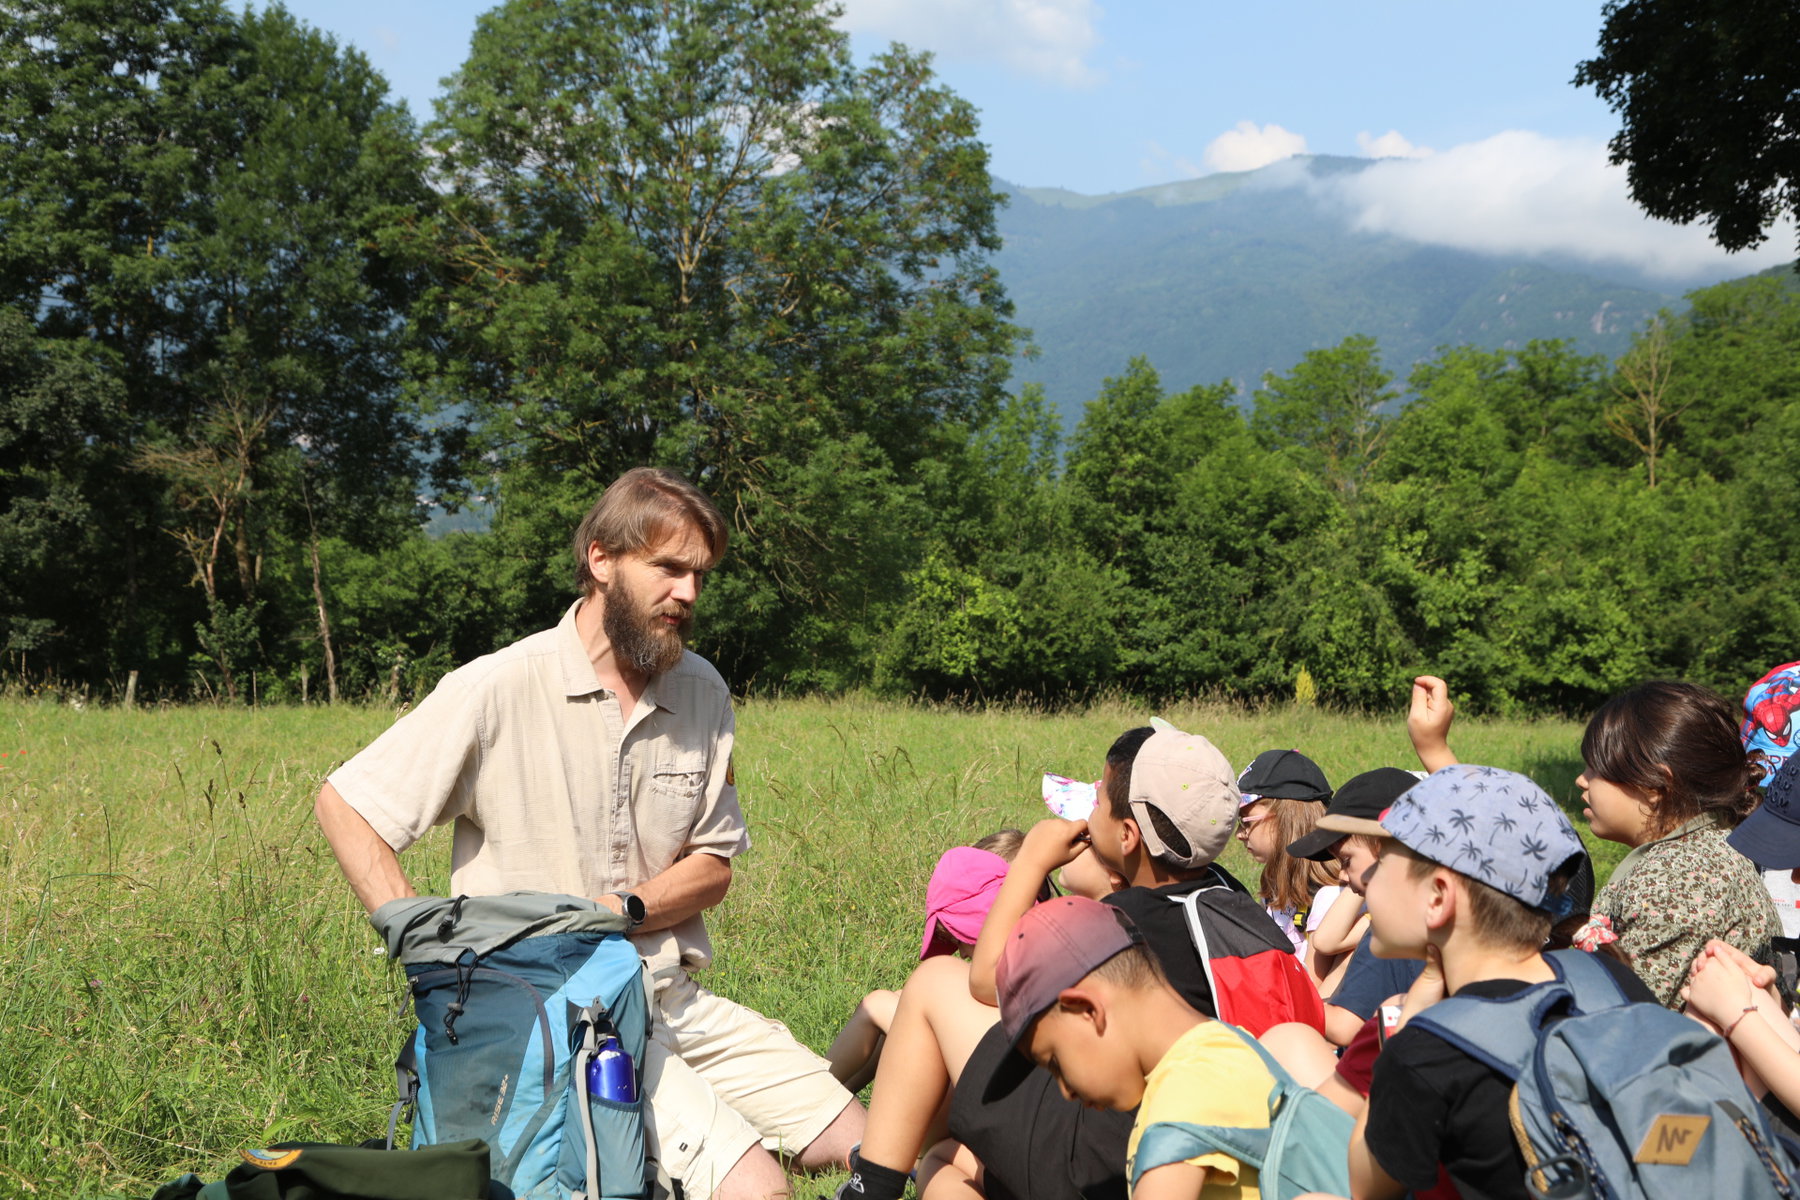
x=594 y=759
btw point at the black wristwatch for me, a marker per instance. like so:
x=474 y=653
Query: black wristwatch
x=633 y=906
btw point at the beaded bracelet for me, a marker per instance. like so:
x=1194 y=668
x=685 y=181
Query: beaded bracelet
x=1740 y=1020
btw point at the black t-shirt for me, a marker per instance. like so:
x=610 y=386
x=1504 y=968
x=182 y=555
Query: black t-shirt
x=1369 y=980
x=1165 y=929
x=1431 y=1103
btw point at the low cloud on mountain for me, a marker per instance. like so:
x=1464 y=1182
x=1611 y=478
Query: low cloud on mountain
x=1523 y=193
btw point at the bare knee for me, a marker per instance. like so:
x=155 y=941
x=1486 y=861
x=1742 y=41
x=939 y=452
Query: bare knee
x=938 y=974
x=950 y=1171
x=832 y=1147
x=755 y=1176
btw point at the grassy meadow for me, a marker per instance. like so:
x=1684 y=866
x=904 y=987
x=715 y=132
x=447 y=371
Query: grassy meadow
x=186 y=973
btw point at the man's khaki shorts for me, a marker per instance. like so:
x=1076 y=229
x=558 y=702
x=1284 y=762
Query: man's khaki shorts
x=720 y=1079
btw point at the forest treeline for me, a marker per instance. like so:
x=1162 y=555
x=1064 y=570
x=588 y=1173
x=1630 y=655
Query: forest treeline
x=257 y=319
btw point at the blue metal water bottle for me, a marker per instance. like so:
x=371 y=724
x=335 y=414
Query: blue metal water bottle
x=611 y=1073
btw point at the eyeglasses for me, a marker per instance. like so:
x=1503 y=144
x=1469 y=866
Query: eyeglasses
x=1253 y=818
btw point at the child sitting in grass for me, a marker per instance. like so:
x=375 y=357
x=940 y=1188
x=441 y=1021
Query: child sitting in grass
x=1168 y=804
x=961 y=890
x=1083 y=997
x=1284 y=794
x=1432 y=1106
x=1665 y=776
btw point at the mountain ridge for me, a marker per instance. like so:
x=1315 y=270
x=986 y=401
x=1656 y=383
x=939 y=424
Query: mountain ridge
x=1230 y=276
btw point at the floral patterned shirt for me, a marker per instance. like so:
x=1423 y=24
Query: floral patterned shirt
x=1667 y=897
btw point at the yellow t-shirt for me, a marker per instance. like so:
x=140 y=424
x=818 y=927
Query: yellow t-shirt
x=1208 y=1077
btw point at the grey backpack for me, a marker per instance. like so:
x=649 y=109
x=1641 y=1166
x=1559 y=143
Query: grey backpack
x=1612 y=1098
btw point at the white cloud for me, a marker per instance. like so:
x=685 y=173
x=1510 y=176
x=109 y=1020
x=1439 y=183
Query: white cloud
x=1390 y=145
x=1523 y=193
x=1247 y=146
x=1045 y=39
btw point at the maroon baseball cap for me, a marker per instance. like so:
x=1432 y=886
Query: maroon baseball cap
x=1053 y=947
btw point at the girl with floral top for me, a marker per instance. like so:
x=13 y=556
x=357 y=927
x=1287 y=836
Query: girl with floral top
x=1667 y=776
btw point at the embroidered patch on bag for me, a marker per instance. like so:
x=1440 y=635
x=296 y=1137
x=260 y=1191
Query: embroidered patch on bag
x=271 y=1160
x=1672 y=1140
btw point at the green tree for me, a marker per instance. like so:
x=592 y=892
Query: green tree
x=56 y=399
x=696 y=234
x=1708 y=92
x=194 y=196
x=1329 y=412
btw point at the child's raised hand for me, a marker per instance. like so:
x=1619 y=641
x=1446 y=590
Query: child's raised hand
x=1053 y=842
x=1428 y=722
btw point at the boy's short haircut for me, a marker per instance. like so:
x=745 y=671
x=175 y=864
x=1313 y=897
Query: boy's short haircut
x=1179 y=789
x=1119 y=756
x=1495 y=918
x=1054 y=946
x=1135 y=968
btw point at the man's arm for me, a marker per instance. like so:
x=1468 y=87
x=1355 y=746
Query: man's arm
x=365 y=858
x=691 y=885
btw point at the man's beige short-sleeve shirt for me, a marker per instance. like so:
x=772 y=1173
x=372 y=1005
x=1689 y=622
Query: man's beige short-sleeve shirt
x=551 y=787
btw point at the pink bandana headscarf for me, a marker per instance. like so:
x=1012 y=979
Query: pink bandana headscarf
x=962 y=889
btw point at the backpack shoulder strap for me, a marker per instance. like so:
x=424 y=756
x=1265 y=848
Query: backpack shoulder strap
x=1588 y=979
x=1306 y=1137
x=1166 y=1142
x=1190 y=904
x=1502 y=1033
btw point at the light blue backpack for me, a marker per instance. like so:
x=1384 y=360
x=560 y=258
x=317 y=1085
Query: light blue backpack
x=1616 y=1099
x=1305 y=1147
x=514 y=994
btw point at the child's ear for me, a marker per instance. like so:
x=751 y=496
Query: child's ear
x=1083 y=1005
x=1130 y=836
x=1440 y=899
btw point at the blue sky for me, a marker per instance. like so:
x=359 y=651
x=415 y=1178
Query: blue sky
x=1492 y=146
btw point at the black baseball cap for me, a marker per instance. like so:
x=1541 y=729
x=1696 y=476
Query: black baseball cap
x=1284 y=775
x=1362 y=799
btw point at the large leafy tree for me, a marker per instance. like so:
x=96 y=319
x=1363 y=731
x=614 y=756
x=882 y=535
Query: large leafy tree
x=694 y=233
x=189 y=198
x=1709 y=95
x=1330 y=413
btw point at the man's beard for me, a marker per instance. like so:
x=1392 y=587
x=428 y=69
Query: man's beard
x=641 y=638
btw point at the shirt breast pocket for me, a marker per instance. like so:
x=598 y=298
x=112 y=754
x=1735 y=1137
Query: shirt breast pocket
x=677 y=791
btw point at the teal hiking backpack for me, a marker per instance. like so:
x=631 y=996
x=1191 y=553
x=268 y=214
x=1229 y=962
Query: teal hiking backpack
x=1304 y=1148
x=1615 y=1099
x=514 y=994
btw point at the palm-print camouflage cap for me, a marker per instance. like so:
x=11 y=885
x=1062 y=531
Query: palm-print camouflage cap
x=1492 y=825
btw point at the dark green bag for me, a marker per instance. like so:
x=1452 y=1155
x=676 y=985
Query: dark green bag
x=308 y=1171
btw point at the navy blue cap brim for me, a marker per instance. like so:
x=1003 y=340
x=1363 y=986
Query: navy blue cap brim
x=1767 y=840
